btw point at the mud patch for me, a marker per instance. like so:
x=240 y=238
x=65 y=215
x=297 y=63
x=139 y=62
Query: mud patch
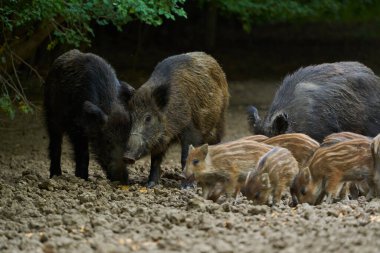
x=67 y=214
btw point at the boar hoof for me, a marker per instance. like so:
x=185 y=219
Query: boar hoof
x=151 y=184
x=185 y=184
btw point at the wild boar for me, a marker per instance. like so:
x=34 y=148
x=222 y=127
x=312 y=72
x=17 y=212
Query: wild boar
x=185 y=99
x=323 y=99
x=332 y=166
x=223 y=168
x=272 y=177
x=84 y=99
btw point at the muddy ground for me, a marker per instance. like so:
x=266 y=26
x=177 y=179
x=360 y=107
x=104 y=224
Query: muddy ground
x=67 y=214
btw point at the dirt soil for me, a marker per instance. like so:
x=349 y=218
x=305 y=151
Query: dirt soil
x=67 y=214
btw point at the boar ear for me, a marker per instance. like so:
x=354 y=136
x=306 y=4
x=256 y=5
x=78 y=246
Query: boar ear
x=126 y=91
x=204 y=149
x=93 y=115
x=280 y=124
x=265 y=181
x=306 y=175
x=253 y=119
x=161 y=95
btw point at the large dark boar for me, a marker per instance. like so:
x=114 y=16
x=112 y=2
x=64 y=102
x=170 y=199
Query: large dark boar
x=323 y=99
x=84 y=99
x=185 y=98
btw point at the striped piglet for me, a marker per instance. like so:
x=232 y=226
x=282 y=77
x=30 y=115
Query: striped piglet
x=272 y=178
x=333 y=165
x=223 y=168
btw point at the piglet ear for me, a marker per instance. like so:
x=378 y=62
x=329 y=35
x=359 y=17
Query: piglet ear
x=306 y=175
x=93 y=115
x=161 y=95
x=191 y=148
x=265 y=181
x=126 y=92
x=280 y=124
x=204 y=149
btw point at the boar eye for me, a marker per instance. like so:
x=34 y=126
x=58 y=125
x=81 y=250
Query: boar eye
x=195 y=162
x=148 y=118
x=303 y=191
x=257 y=195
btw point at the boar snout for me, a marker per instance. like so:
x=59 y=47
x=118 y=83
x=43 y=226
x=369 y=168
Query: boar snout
x=136 y=148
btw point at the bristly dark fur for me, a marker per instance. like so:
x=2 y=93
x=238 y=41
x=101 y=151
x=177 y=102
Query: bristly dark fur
x=327 y=98
x=84 y=99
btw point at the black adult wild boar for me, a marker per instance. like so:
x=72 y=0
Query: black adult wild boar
x=185 y=98
x=323 y=99
x=84 y=99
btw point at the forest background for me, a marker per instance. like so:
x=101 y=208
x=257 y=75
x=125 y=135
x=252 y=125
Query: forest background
x=250 y=38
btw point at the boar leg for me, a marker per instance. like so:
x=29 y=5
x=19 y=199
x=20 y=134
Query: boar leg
x=55 y=145
x=333 y=188
x=277 y=194
x=155 y=169
x=345 y=192
x=80 y=144
x=189 y=136
x=372 y=192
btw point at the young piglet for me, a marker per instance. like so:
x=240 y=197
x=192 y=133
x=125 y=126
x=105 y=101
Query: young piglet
x=301 y=146
x=350 y=190
x=342 y=136
x=273 y=176
x=256 y=137
x=222 y=168
x=331 y=167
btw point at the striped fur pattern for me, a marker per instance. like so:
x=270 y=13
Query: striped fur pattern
x=223 y=168
x=273 y=176
x=350 y=189
x=375 y=149
x=332 y=166
x=301 y=146
x=341 y=136
x=256 y=137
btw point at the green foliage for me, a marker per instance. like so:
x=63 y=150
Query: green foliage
x=22 y=22
x=7 y=106
x=72 y=18
x=251 y=12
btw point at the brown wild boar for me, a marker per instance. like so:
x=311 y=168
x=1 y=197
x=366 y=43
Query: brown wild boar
x=331 y=167
x=185 y=99
x=223 y=168
x=273 y=176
